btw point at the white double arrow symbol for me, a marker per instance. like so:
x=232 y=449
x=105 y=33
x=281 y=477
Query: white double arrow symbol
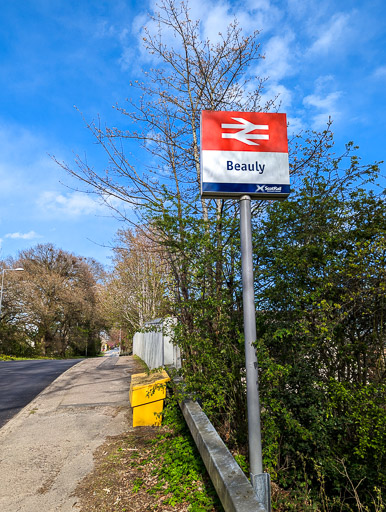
x=244 y=134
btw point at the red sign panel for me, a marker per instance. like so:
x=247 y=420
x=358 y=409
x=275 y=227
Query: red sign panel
x=244 y=131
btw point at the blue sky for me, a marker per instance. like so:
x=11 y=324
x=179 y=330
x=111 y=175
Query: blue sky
x=323 y=58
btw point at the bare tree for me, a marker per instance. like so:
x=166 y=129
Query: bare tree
x=59 y=300
x=192 y=75
x=135 y=289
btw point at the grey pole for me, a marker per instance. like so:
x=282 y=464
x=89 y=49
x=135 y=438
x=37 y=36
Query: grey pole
x=260 y=481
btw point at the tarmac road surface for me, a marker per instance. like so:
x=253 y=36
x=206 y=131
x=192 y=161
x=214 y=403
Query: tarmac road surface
x=47 y=448
x=21 y=381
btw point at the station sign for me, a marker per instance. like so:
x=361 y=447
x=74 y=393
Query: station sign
x=244 y=153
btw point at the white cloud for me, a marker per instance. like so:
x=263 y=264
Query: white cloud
x=280 y=58
x=72 y=205
x=129 y=58
x=253 y=15
x=326 y=103
x=380 y=72
x=261 y=15
x=217 y=18
x=141 y=25
x=323 y=102
x=332 y=34
x=279 y=91
x=295 y=125
x=24 y=236
x=76 y=204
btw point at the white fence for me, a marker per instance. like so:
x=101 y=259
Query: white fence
x=154 y=345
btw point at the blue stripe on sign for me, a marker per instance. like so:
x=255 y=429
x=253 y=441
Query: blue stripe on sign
x=245 y=188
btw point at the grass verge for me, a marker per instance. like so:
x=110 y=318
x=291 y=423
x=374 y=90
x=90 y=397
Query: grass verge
x=149 y=469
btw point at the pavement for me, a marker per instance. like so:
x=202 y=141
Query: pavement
x=47 y=448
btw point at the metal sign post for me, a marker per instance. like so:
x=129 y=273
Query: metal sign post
x=260 y=480
x=244 y=155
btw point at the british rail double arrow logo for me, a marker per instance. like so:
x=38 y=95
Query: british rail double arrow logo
x=245 y=134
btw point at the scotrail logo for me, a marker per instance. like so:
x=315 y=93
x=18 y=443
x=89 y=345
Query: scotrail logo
x=244 y=134
x=268 y=188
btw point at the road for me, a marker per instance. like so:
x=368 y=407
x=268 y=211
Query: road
x=21 y=381
x=113 y=352
x=48 y=448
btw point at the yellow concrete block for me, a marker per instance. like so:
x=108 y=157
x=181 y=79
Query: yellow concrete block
x=148 y=414
x=146 y=388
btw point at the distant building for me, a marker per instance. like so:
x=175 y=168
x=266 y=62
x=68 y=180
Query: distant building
x=105 y=342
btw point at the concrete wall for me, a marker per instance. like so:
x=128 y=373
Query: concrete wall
x=154 y=345
x=232 y=486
